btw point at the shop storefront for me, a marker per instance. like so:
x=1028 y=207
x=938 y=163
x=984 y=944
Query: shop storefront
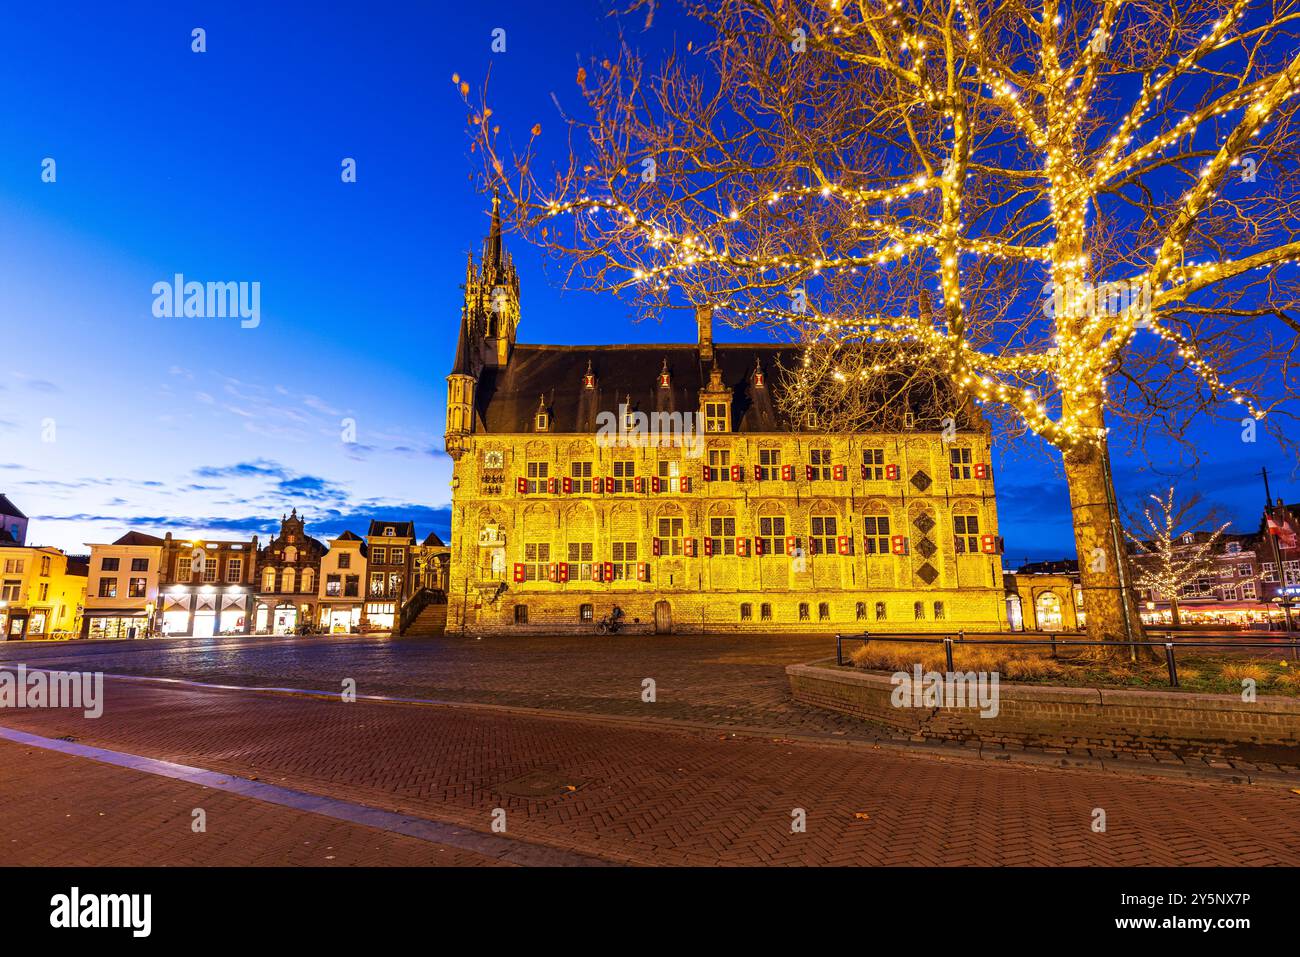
x=117 y=626
x=340 y=619
x=380 y=615
x=204 y=612
x=280 y=619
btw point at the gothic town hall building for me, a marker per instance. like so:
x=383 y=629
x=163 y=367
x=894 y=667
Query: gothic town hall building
x=754 y=525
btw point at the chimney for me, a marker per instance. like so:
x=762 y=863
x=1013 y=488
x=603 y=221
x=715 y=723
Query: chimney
x=704 y=322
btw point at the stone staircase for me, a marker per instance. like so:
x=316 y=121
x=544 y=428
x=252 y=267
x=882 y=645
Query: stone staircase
x=432 y=621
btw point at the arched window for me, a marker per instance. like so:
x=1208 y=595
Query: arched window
x=918 y=610
x=823 y=611
x=291 y=554
x=1048 y=609
x=880 y=611
x=268 y=579
x=288 y=580
x=308 y=579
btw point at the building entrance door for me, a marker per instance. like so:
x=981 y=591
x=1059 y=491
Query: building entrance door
x=663 y=618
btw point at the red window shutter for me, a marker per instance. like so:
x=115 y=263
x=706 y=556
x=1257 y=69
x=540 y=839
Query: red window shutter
x=845 y=545
x=519 y=572
x=599 y=486
x=787 y=473
x=638 y=484
x=686 y=483
x=568 y=486
x=609 y=485
x=808 y=472
x=981 y=470
x=688 y=547
x=891 y=472
x=654 y=483
x=598 y=572
x=989 y=544
x=706 y=473
x=551 y=486
x=742 y=547
x=643 y=572
x=552 y=573
x=789 y=546
x=737 y=474
x=609 y=571
x=758 y=472
x=521 y=486
x=864 y=471
x=840 y=473
x=708 y=546
x=898 y=544
x=655 y=546
x=758 y=546
x=564 y=571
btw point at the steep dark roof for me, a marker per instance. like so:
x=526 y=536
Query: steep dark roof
x=1068 y=566
x=506 y=399
x=349 y=537
x=9 y=508
x=400 y=529
x=433 y=539
x=138 y=538
x=6 y=538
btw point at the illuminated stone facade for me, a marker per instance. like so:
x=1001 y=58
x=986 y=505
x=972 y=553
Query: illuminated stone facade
x=734 y=522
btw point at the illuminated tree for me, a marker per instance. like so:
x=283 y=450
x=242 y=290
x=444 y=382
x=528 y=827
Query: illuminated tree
x=1073 y=212
x=1174 y=550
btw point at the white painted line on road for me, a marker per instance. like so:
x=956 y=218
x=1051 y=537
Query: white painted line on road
x=509 y=850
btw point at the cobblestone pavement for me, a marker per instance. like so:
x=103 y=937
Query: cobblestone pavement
x=650 y=794
x=727 y=682
x=716 y=680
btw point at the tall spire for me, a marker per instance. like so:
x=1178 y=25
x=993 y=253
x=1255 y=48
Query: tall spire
x=493 y=264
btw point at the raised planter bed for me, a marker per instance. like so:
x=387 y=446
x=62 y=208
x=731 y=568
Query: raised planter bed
x=1040 y=716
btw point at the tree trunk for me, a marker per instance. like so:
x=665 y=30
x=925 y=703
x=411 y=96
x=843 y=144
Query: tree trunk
x=1100 y=560
x=1173 y=612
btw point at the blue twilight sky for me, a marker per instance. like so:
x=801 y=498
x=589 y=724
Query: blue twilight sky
x=225 y=166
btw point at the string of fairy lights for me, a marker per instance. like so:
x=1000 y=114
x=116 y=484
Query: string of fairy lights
x=1087 y=340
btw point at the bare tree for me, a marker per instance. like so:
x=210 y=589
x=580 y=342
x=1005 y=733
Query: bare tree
x=1072 y=212
x=1175 y=549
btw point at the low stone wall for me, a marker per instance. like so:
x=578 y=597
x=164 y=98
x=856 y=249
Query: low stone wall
x=1040 y=716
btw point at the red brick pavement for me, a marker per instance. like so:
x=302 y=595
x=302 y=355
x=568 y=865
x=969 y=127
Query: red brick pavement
x=643 y=794
x=59 y=810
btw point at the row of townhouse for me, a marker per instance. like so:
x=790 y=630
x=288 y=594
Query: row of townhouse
x=142 y=585
x=1252 y=579
x=42 y=589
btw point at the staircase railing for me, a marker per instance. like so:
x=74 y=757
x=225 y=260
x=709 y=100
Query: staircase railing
x=416 y=604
